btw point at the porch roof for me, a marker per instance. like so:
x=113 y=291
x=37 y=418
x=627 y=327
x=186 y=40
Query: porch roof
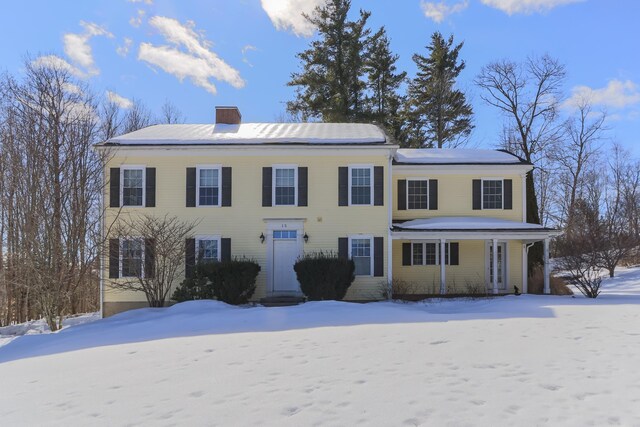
x=468 y=228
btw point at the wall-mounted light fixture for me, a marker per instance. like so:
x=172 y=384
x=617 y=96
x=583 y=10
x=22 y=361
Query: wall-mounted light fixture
x=305 y=237
x=261 y=237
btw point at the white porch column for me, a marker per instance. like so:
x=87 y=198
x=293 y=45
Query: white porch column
x=494 y=266
x=547 y=288
x=443 y=283
x=525 y=272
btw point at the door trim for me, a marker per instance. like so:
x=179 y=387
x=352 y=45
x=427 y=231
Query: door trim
x=280 y=224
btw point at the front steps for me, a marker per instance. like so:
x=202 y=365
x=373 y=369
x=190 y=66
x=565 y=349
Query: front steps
x=282 y=301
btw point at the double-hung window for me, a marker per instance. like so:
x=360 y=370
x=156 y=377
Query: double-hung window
x=131 y=257
x=417 y=194
x=426 y=253
x=208 y=186
x=284 y=185
x=360 y=186
x=361 y=249
x=208 y=248
x=132 y=186
x=492 y=194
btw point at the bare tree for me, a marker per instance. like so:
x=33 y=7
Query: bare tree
x=170 y=114
x=136 y=117
x=577 y=155
x=51 y=200
x=111 y=121
x=152 y=251
x=527 y=94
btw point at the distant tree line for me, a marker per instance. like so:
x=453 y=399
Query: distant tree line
x=50 y=190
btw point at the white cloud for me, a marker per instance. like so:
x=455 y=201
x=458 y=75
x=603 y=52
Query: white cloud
x=198 y=63
x=124 y=49
x=439 y=11
x=141 y=1
x=511 y=7
x=617 y=94
x=246 y=49
x=53 y=61
x=136 y=21
x=71 y=88
x=76 y=46
x=119 y=100
x=287 y=14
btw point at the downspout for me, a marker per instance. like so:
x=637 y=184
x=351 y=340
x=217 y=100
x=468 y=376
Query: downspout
x=102 y=237
x=389 y=225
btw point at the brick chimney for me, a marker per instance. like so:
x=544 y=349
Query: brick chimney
x=228 y=115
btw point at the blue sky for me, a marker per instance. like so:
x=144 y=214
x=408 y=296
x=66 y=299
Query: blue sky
x=199 y=53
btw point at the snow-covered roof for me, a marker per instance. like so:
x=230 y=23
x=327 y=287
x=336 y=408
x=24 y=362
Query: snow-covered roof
x=454 y=156
x=466 y=223
x=253 y=133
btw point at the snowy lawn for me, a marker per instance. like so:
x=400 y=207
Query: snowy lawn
x=528 y=360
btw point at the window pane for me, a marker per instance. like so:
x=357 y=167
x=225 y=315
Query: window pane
x=209 y=188
x=285 y=187
x=207 y=250
x=361 y=255
x=132 y=187
x=492 y=194
x=430 y=253
x=285 y=234
x=417 y=253
x=417 y=192
x=360 y=186
x=131 y=258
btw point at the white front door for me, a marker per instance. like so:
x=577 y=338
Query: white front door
x=285 y=254
x=502 y=265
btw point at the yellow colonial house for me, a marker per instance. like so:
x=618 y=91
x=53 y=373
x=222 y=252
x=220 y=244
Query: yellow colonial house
x=274 y=191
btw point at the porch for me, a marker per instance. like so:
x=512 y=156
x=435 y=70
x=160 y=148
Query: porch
x=467 y=245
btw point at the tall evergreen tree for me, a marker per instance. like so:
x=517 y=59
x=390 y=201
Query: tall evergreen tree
x=384 y=83
x=438 y=112
x=331 y=85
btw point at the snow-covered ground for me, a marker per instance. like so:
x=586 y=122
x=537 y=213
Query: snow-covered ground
x=9 y=333
x=528 y=360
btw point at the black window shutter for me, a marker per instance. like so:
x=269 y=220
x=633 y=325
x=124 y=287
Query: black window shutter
x=454 y=253
x=267 y=176
x=303 y=184
x=114 y=258
x=149 y=257
x=225 y=250
x=150 y=188
x=343 y=186
x=378 y=185
x=406 y=254
x=191 y=187
x=477 y=194
x=508 y=194
x=226 y=186
x=114 y=188
x=402 y=194
x=189 y=257
x=378 y=257
x=343 y=247
x=433 y=194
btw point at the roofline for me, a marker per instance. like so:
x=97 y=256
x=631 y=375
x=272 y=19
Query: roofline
x=248 y=145
x=460 y=163
x=467 y=230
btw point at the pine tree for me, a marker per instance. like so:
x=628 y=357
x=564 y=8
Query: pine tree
x=331 y=85
x=384 y=84
x=438 y=112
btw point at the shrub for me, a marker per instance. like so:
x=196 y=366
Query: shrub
x=234 y=281
x=324 y=276
x=197 y=287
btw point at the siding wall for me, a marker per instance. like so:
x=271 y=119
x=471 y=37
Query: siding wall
x=243 y=222
x=455 y=195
